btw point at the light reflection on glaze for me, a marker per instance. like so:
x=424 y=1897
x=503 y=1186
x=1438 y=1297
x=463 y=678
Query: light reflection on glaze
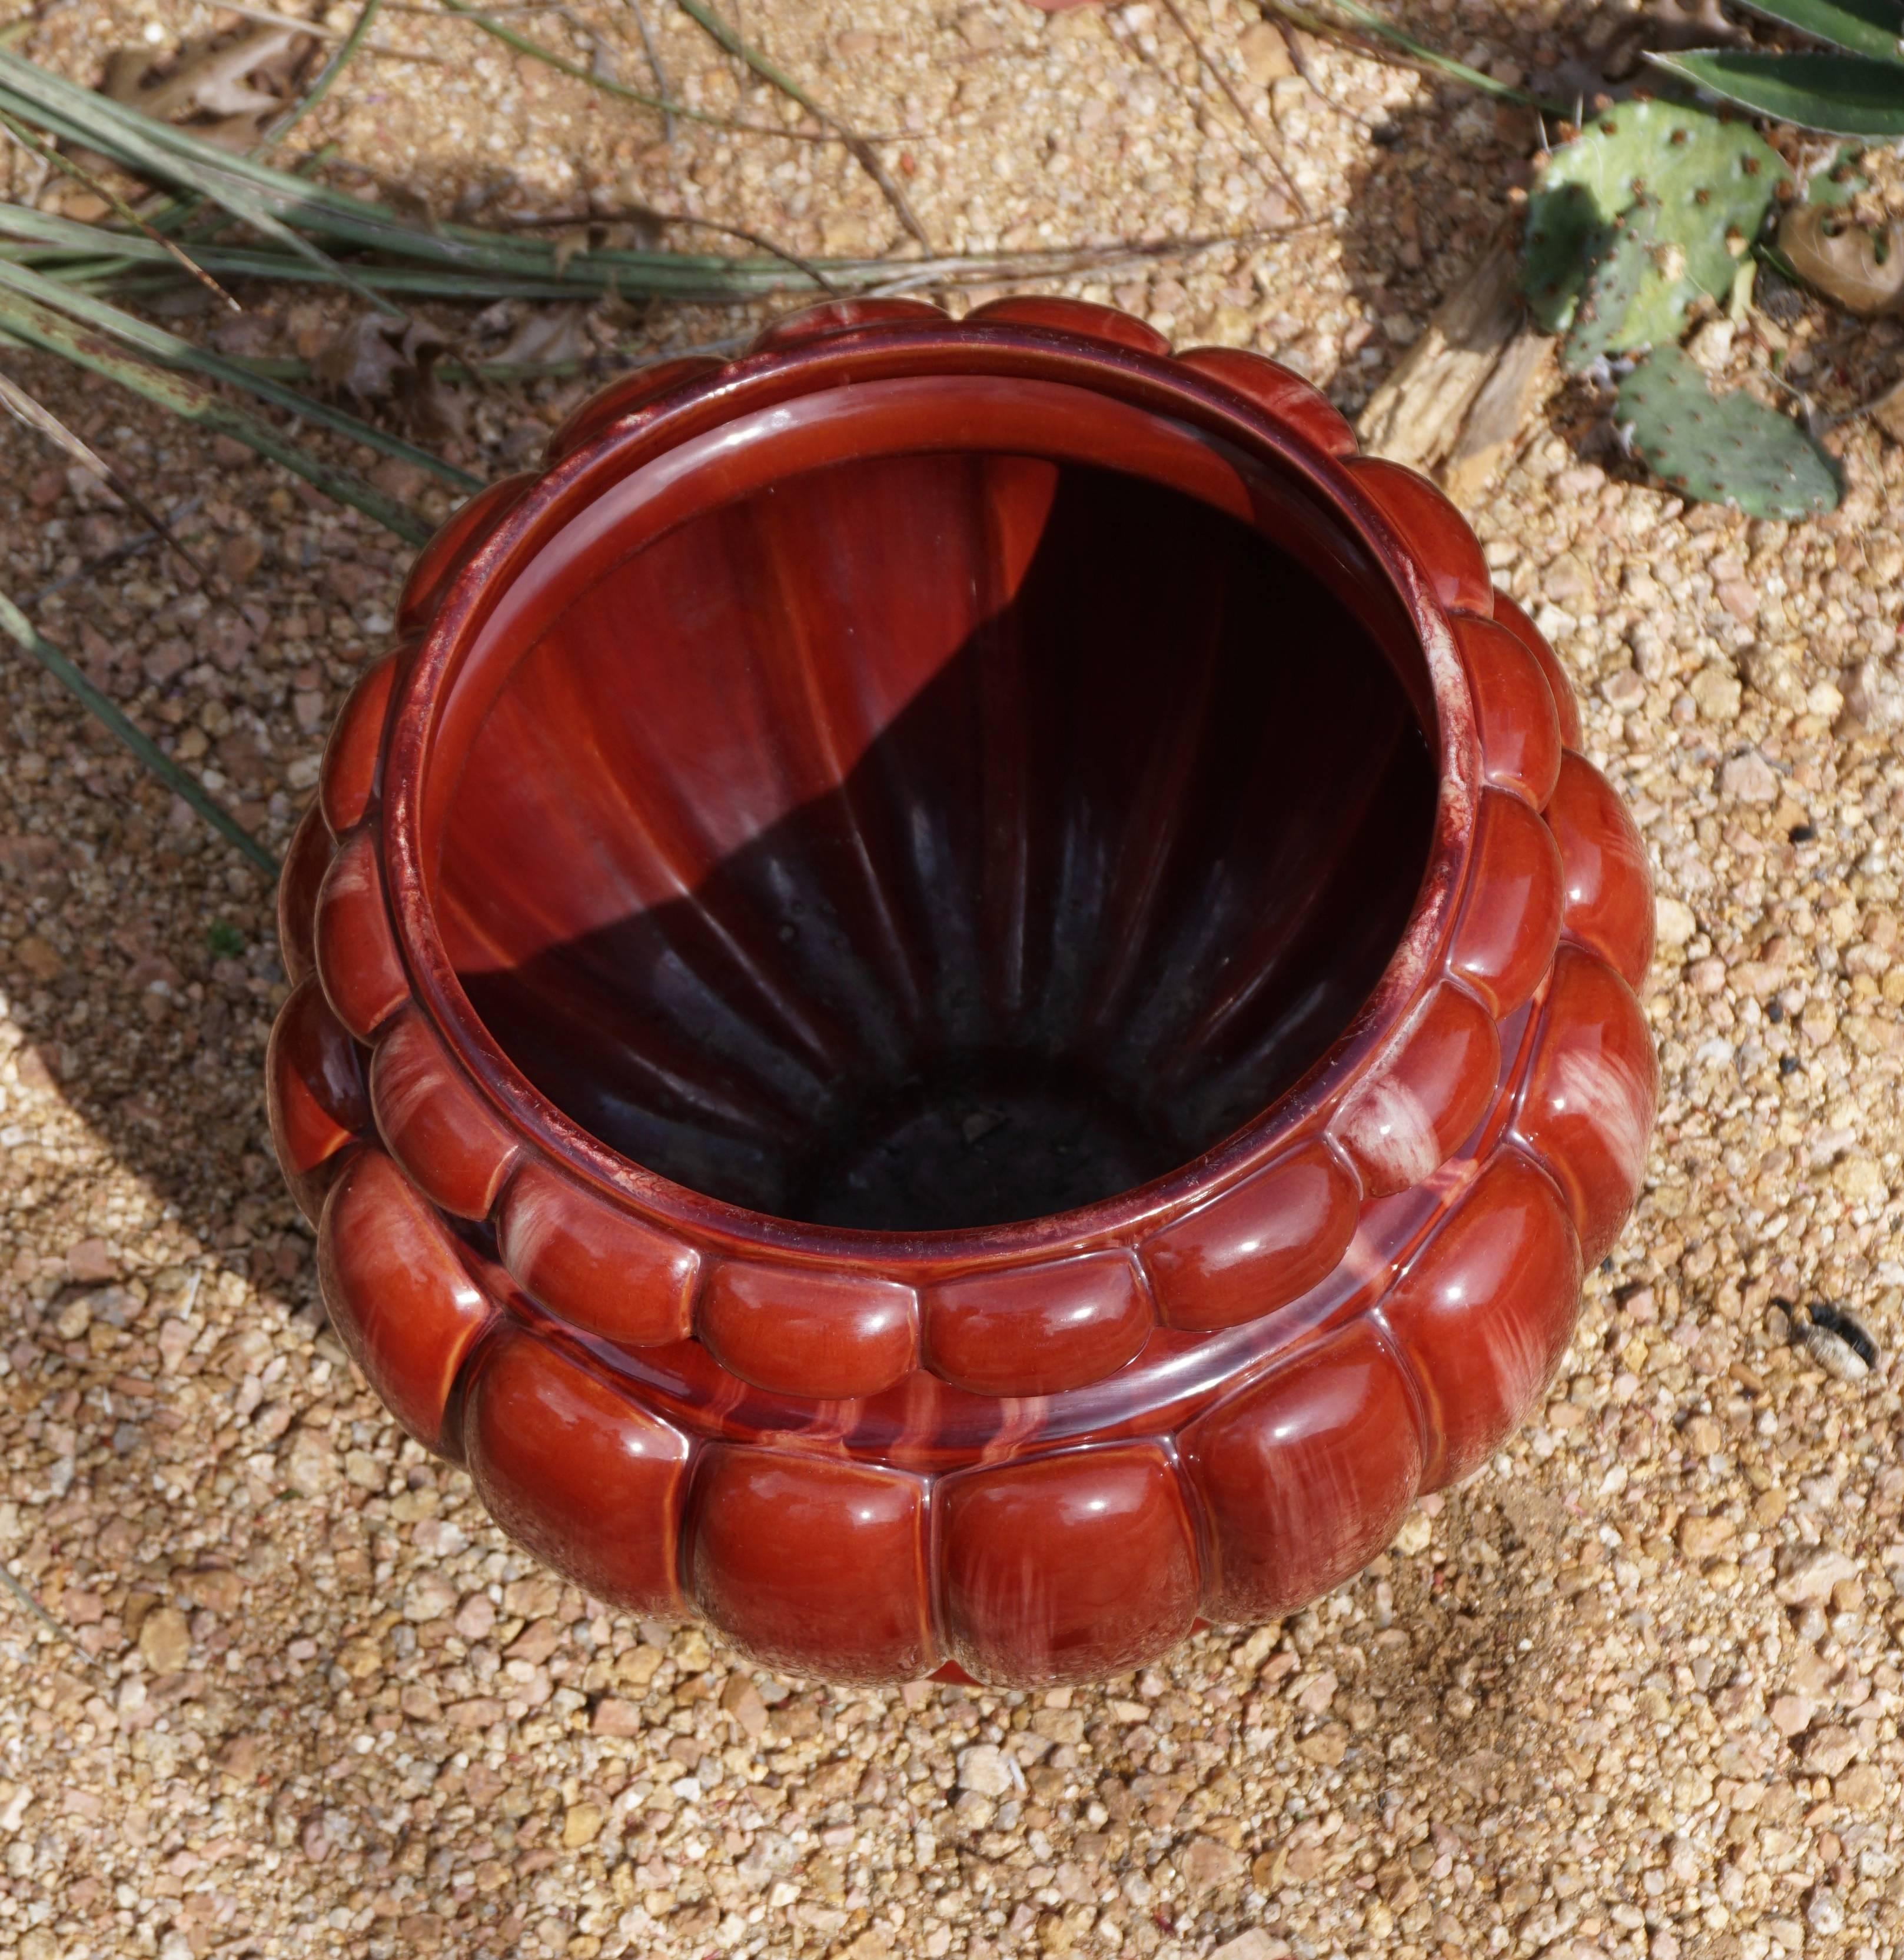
x=1178 y=1435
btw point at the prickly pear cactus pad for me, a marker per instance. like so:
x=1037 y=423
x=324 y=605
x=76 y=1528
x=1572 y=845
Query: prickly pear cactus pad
x=1727 y=449
x=1713 y=181
x=1620 y=268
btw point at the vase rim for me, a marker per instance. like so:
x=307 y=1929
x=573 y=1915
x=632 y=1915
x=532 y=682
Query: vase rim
x=1179 y=400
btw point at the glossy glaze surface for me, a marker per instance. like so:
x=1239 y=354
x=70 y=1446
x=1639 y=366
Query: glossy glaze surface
x=965 y=838
x=959 y=998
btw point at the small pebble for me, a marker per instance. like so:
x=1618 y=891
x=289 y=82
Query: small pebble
x=984 y=1771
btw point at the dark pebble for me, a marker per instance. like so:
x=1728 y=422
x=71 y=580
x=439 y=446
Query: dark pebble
x=1777 y=297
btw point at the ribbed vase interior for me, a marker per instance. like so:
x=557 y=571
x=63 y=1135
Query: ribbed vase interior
x=935 y=841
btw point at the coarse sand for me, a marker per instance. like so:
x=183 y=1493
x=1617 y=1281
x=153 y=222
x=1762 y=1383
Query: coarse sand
x=1634 y=1689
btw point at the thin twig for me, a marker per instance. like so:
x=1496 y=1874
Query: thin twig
x=740 y=34
x=522 y=44
x=35 y=288
x=601 y=56
x=1235 y=102
x=153 y=148
x=33 y=1606
x=1375 y=38
x=654 y=55
x=78 y=171
x=92 y=567
x=919 y=275
x=318 y=31
x=864 y=154
x=757 y=238
x=494 y=373
x=319 y=89
x=39 y=326
x=1299 y=60
x=652 y=357
x=35 y=415
x=21 y=630
x=540 y=222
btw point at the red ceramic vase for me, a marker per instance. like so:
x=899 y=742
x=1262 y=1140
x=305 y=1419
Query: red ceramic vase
x=960 y=997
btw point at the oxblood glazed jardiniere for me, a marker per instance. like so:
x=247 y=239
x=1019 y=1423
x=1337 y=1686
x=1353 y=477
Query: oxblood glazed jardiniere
x=960 y=996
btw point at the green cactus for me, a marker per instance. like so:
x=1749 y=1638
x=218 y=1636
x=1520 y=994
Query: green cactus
x=1712 y=182
x=1838 y=181
x=1725 y=449
x=1614 y=278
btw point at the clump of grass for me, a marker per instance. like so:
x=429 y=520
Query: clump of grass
x=223 y=219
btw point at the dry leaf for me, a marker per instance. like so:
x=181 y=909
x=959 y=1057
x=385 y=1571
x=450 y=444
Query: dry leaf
x=1678 y=24
x=637 y=229
x=556 y=333
x=209 y=76
x=374 y=359
x=1668 y=27
x=1862 y=269
x=219 y=78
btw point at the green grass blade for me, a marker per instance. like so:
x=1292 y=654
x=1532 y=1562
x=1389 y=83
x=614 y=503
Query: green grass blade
x=21 y=630
x=142 y=273
x=37 y=326
x=321 y=87
x=32 y=413
x=149 y=147
x=73 y=168
x=177 y=352
x=1859 y=27
x=509 y=268
x=98 y=123
x=293 y=201
x=1366 y=21
x=132 y=268
x=704 y=17
x=474 y=288
x=1842 y=95
x=536 y=51
x=294 y=206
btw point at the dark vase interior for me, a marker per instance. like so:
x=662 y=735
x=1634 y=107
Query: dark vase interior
x=935 y=841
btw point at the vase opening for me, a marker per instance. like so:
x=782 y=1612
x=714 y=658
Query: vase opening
x=929 y=841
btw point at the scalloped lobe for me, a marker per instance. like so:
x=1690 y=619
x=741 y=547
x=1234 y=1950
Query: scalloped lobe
x=682 y=1427
x=1434 y=530
x=402 y=1302
x=354 y=941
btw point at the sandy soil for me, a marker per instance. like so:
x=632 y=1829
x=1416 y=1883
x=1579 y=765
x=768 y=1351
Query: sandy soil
x=1633 y=1690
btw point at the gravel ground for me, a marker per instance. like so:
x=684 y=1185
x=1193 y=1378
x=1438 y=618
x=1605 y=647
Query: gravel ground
x=1632 y=1690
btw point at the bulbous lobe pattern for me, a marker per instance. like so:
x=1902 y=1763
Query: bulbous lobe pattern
x=579 y=1473
x=1036 y=1452
x=1305 y=1474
